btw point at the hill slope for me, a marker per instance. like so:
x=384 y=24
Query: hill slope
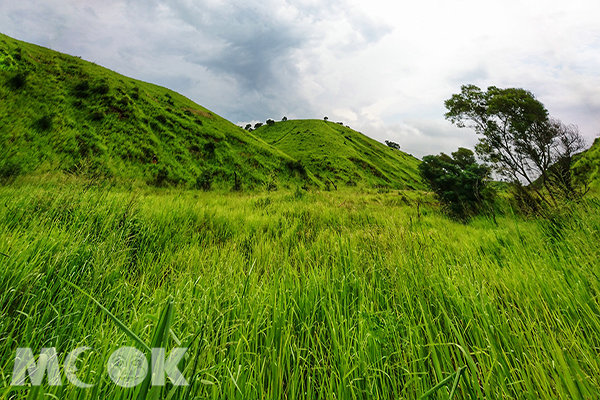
x=337 y=153
x=588 y=163
x=58 y=112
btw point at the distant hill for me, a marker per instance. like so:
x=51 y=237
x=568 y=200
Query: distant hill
x=61 y=113
x=338 y=154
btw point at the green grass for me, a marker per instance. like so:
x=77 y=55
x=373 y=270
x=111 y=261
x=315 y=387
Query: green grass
x=294 y=294
x=338 y=154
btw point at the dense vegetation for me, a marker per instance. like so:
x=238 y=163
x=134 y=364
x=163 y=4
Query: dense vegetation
x=319 y=295
x=522 y=143
x=458 y=181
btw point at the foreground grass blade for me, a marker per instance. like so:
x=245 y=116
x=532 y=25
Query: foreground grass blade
x=121 y=325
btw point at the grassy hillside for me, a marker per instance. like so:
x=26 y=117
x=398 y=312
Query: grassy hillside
x=346 y=157
x=58 y=112
x=589 y=163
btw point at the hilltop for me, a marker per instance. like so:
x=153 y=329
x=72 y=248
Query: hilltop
x=339 y=155
x=62 y=113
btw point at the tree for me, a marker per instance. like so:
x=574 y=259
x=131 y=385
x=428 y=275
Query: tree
x=518 y=137
x=258 y=125
x=248 y=127
x=270 y=122
x=284 y=118
x=458 y=181
x=326 y=119
x=393 y=145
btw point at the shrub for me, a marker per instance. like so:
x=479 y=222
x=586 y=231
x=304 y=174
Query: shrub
x=457 y=181
x=17 y=80
x=101 y=87
x=209 y=148
x=82 y=89
x=44 y=123
x=9 y=169
x=204 y=181
x=135 y=93
x=392 y=145
x=296 y=166
x=97 y=115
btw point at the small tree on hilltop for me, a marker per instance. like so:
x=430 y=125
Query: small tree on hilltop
x=270 y=122
x=284 y=118
x=393 y=145
x=258 y=125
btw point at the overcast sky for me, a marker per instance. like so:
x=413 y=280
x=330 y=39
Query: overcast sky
x=384 y=68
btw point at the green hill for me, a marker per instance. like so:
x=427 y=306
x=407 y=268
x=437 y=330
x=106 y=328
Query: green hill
x=588 y=163
x=58 y=112
x=61 y=113
x=341 y=155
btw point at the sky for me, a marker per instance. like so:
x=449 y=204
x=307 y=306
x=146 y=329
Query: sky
x=383 y=68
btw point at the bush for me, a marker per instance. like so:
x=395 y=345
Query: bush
x=82 y=89
x=457 y=181
x=44 y=123
x=209 y=148
x=17 y=80
x=392 y=145
x=9 y=170
x=97 y=115
x=204 y=181
x=101 y=88
x=296 y=166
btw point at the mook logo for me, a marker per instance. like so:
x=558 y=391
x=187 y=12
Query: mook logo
x=126 y=367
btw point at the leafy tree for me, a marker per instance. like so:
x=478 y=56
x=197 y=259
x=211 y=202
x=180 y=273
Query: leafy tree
x=248 y=127
x=326 y=118
x=284 y=118
x=518 y=137
x=458 y=181
x=258 y=125
x=270 y=122
x=393 y=145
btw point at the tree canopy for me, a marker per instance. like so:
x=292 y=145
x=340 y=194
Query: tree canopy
x=518 y=137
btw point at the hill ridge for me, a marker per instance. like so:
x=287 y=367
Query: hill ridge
x=62 y=113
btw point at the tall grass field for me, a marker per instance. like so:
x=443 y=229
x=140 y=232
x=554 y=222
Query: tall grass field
x=349 y=294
